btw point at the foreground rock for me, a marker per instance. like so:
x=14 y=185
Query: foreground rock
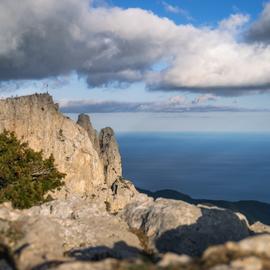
x=249 y=254
x=66 y=230
x=74 y=233
x=259 y=228
x=254 y=211
x=176 y=226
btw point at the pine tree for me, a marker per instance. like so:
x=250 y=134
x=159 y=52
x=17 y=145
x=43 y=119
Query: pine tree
x=25 y=176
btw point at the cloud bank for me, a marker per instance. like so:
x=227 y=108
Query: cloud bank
x=110 y=45
x=173 y=105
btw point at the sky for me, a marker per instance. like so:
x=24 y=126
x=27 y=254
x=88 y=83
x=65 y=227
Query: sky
x=186 y=65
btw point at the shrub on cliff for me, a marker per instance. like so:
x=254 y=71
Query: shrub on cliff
x=25 y=177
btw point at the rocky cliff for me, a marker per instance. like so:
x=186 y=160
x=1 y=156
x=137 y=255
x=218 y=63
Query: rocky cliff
x=85 y=123
x=75 y=147
x=110 y=156
x=107 y=148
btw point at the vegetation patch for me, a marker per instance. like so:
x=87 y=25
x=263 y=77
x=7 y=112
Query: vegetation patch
x=25 y=176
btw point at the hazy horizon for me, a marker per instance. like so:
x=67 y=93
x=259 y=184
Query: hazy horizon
x=181 y=122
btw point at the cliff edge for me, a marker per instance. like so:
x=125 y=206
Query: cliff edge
x=75 y=146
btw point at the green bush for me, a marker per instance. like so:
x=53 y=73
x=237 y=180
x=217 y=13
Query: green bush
x=25 y=177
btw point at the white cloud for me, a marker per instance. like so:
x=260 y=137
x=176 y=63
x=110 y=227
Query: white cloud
x=173 y=105
x=204 y=98
x=177 y=10
x=213 y=60
x=177 y=100
x=47 y=38
x=234 y=22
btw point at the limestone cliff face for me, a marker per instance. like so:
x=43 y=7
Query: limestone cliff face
x=107 y=148
x=36 y=119
x=109 y=153
x=84 y=122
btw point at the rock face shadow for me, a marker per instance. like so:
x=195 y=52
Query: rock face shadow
x=209 y=230
x=119 y=251
x=7 y=260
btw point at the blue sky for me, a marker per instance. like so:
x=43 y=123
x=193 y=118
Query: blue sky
x=140 y=81
x=206 y=12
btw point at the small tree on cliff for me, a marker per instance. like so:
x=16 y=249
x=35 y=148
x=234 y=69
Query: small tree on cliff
x=25 y=177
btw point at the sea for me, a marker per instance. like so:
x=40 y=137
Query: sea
x=219 y=166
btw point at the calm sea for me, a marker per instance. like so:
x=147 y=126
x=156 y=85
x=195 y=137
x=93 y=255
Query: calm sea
x=202 y=165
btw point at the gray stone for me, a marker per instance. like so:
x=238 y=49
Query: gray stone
x=259 y=227
x=108 y=264
x=179 y=227
x=172 y=259
x=123 y=192
x=252 y=253
x=81 y=229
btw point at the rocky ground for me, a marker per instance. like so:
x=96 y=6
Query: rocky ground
x=80 y=233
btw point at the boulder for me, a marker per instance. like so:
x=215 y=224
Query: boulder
x=123 y=192
x=179 y=227
x=171 y=259
x=252 y=253
x=259 y=227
